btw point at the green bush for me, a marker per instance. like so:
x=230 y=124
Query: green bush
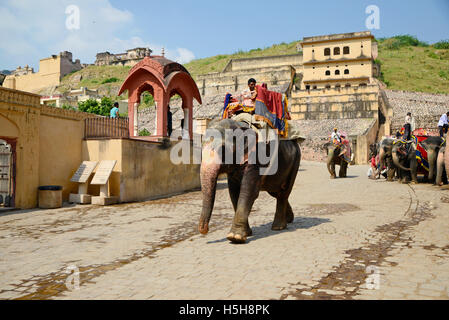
x=144 y=133
x=433 y=55
x=92 y=106
x=444 y=44
x=110 y=80
x=397 y=42
x=444 y=74
x=68 y=107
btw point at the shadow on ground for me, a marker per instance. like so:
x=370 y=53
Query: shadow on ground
x=264 y=230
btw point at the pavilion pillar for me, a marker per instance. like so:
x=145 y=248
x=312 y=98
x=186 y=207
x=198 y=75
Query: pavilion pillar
x=188 y=118
x=132 y=106
x=161 y=114
x=136 y=119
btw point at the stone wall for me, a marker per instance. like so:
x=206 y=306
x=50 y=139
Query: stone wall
x=237 y=81
x=294 y=60
x=425 y=107
x=343 y=103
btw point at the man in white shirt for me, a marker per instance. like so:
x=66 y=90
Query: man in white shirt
x=443 y=124
x=336 y=135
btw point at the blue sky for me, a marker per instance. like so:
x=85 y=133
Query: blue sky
x=32 y=30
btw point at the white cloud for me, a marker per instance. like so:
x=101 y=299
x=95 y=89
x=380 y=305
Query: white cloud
x=32 y=30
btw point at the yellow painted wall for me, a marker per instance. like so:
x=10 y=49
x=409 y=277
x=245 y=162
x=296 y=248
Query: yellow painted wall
x=358 y=61
x=60 y=150
x=143 y=170
x=355 y=49
x=49 y=143
x=317 y=72
x=19 y=116
x=49 y=75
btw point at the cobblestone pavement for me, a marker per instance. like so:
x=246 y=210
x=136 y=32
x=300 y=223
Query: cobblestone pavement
x=352 y=238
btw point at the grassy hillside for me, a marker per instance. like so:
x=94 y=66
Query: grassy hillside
x=406 y=64
x=414 y=66
x=217 y=63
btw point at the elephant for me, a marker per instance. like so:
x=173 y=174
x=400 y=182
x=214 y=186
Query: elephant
x=333 y=159
x=384 y=149
x=403 y=154
x=432 y=145
x=245 y=181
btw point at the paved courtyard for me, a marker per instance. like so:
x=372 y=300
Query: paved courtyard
x=352 y=238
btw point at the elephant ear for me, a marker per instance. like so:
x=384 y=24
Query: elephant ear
x=326 y=145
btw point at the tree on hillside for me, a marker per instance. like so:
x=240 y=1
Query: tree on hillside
x=92 y=106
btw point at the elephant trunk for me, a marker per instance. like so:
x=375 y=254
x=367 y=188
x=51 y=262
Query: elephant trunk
x=382 y=156
x=432 y=159
x=397 y=163
x=210 y=169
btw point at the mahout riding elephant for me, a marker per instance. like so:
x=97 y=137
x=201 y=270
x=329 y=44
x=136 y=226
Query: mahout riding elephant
x=404 y=158
x=433 y=145
x=334 y=158
x=245 y=180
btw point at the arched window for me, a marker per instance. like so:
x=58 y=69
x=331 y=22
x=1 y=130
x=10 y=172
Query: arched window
x=328 y=86
x=327 y=51
x=328 y=73
x=346 y=71
x=362 y=85
x=314 y=87
x=337 y=86
x=337 y=72
x=348 y=85
x=345 y=50
x=336 y=50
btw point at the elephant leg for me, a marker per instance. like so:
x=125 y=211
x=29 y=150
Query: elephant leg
x=414 y=169
x=343 y=168
x=290 y=215
x=440 y=169
x=280 y=218
x=289 y=211
x=331 y=168
x=234 y=191
x=249 y=191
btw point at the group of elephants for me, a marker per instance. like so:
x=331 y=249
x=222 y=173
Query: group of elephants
x=400 y=159
x=245 y=180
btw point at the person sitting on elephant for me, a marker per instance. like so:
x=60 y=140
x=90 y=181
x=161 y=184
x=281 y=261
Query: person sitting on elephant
x=335 y=136
x=409 y=126
x=249 y=95
x=245 y=101
x=443 y=124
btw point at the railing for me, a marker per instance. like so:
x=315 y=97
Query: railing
x=101 y=128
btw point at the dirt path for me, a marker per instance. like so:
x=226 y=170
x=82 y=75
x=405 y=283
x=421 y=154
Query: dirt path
x=351 y=238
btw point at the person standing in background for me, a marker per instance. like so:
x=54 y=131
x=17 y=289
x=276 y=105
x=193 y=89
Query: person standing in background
x=443 y=124
x=114 y=111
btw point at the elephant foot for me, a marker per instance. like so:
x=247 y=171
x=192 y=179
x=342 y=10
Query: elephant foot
x=333 y=177
x=236 y=238
x=277 y=226
x=290 y=217
x=239 y=236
